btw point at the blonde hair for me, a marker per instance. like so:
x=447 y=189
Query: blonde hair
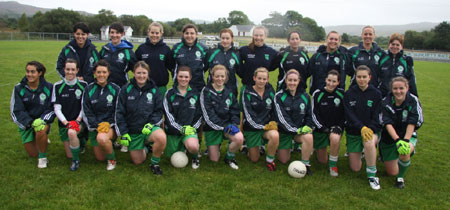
x=368 y=26
x=217 y=68
x=261 y=69
x=252 y=44
x=156 y=24
x=293 y=71
x=399 y=79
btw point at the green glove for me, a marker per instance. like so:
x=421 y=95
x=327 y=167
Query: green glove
x=188 y=130
x=403 y=147
x=38 y=124
x=147 y=130
x=125 y=140
x=304 y=130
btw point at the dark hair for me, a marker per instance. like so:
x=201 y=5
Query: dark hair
x=363 y=68
x=39 y=67
x=82 y=26
x=71 y=60
x=334 y=72
x=189 y=25
x=396 y=36
x=292 y=32
x=117 y=26
x=101 y=62
x=184 y=68
x=141 y=64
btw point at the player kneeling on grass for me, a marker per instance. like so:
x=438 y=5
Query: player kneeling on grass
x=221 y=114
x=401 y=117
x=362 y=105
x=32 y=111
x=293 y=107
x=139 y=113
x=67 y=95
x=328 y=116
x=99 y=105
x=183 y=117
x=259 y=124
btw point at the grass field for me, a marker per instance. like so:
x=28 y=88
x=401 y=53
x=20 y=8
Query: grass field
x=214 y=186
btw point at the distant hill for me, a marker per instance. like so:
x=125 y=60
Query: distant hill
x=13 y=9
x=382 y=30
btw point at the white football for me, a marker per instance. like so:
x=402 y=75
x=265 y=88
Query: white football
x=179 y=159
x=297 y=169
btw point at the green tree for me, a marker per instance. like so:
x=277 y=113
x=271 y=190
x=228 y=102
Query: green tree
x=345 y=38
x=139 y=23
x=441 y=37
x=57 y=20
x=180 y=22
x=237 y=17
x=23 y=23
x=103 y=18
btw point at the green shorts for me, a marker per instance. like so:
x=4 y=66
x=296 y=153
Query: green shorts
x=321 y=140
x=26 y=135
x=389 y=151
x=138 y=140
x=253 y=138
x=241 y=91
x=286 y=141
x=213 y=137
x=63 y=133
x=162 y=90
x=175 y=143
x=355 y=143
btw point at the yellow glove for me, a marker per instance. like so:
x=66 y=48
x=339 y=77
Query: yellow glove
x=366 y=133
x=272 y=125
x=103 y=127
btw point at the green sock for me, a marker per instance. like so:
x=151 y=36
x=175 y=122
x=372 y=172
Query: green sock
x=230 y=155
x=269 y=158
x=155 y=160
x=402 y=166
x=42 y=154
x=306 y=162
x=332 y=162
x=371 y=171
x=111 y=156
x=75 y=153
x=194 y=156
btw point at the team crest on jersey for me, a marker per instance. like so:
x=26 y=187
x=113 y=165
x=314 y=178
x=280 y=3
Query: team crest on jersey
x=161 y=57
x=337 y=60
x=337 y=101
x=228 y=102
x=376 y=58
x=121 y=55
x=400 y=69
x=198 y=54
x=232 y=62
x=78 y=93
x=369 y=103
x=109 y=99
x=192 y=102
x=302 y=60
x=149 y=97
x=42 y=97
x=91 y=60
x=302 y=108
x=266 y=56
x=268 y=103
x=404 y=115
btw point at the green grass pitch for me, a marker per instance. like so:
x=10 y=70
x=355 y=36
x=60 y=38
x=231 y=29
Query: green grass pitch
x=214 y=186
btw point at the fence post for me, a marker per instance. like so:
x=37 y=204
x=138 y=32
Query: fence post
x=11 y=36
x=28 y=36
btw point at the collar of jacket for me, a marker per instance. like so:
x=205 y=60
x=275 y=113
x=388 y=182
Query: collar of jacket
x=149 y=84
x=24 y=82
x=159 y=43
x=74 y=44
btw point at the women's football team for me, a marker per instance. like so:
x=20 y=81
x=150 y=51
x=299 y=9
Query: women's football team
x=96 y=100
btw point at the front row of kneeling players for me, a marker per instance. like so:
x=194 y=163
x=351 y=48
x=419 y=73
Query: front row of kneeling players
x=135 y=113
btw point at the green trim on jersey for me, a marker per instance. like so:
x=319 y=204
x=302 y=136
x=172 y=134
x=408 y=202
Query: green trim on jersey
x=213 y=55
x=355 y=55
x=201 y=49
x=175 y=52
x=47 y=91
x=111 y=89
x=92 y=91
x=340 y=94
x=305 y=99
x=22 y=92
x=285 y=55
x=283 y=97
x=235 y=57
x=129 y=88
x=384 y=60
x=320 y=97
x=66 y=52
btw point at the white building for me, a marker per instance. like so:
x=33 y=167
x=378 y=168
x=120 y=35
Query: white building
x=104 y=32
x=242 y=30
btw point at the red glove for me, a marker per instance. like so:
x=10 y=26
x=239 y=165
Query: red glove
x=74 y=125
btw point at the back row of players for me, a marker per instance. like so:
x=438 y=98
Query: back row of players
x=112 y=105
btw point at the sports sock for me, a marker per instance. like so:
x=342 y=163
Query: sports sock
x=42 y=154
x=111 y=156
x=75 y=152
x=332 y=161
x=402 y=166
x=269 y=158
x=194 y=156
x=155 y=160
x=230 y=155
x=306 y=162
x=371 y=171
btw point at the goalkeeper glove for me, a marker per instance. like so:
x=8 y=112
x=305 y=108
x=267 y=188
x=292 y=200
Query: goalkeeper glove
x=304 y=130
x=125 y=140
x=272 y=125
x=188 y=130
x=147 y=130
x=231 y=129
x=38 y=124
x=366 y=134
x=75 y=125
x=103 y=127
x=403 y=146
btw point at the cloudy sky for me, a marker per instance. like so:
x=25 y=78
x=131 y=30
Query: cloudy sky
x=325 y=12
